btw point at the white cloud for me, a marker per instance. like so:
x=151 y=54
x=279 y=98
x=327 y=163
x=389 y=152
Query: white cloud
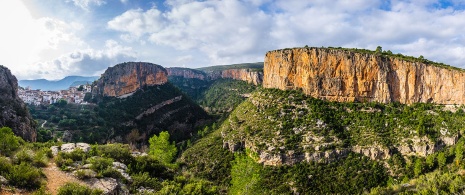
x=85 y=4
x=85 y=62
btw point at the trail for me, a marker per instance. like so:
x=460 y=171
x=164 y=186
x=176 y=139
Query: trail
x=57 y=178
x=42 y=126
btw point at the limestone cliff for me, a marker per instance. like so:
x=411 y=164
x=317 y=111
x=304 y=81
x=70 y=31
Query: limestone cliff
x=342 y=75
x=14 y=113
x=186 y=73
x=250 y=75
x=126 y=78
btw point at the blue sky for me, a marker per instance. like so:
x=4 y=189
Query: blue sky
x=55 y=38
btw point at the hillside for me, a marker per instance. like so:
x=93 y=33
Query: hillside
x=130 y=98
x=47 y=85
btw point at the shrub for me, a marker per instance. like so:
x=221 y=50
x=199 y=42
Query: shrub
x=144 y=179
x=40 y=159
x=100 y=165
x=119 y=152
x=23 y=155
x=25 y=176
x=74 y=188
x=8 y=141
x=150 y=165
x=5 y=165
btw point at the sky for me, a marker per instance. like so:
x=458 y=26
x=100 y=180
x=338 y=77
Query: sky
x=52 y=39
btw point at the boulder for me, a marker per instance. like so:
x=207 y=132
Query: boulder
x=55 y=150
x=84 y=147
x=118 y=165
x=3 y=180
x=109 y=186
x=69 y=147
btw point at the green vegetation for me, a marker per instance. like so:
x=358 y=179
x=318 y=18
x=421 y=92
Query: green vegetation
x=111 y=116
x=75 y=188
x=161 y=148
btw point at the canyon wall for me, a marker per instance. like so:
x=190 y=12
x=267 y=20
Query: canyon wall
x=244 y=74
x=13 y=111
x=126 y=78
x=342 y=75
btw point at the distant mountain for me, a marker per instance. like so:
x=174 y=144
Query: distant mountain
x=64 y=83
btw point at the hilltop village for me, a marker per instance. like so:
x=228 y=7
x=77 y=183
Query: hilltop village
x=37 y=97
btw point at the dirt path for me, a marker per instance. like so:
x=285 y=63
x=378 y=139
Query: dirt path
x=56 y=178
x=43 y=124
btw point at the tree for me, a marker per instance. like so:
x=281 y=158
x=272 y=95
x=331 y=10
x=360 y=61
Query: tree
x=161 y=149
x=418 y=167
x=430 y=161
x=379 y=49
x=80 y=88
x=88 y=97
x=442 y=159
x=458 y=153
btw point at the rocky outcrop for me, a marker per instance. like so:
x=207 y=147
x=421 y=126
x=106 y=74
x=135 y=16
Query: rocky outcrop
x=342 y=75
x=249 y=75
x=126 y=78
x=187 y=73
x=13 y=111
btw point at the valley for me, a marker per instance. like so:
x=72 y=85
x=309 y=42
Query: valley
x=306 y=121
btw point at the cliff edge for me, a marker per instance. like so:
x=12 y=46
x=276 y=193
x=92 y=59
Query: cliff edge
x=344 y=75
x=14 y=113
x=126 y=78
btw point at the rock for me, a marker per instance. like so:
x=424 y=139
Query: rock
x=3 y=180
x=13 y=111
x=55 y=150
x=340 y=75
x=124 y=174
x=126 y=78
x=109 y=186
x=84 y=147
x=374 y=152
x=118 y=165
x=187 y=73
x=86 y=166
x=69 y=147
x=67 y=136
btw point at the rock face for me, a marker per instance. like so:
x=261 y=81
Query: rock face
x=187 y=73
x=249 y=75
x=13 y=111
x=340 y=75
x=126 y=78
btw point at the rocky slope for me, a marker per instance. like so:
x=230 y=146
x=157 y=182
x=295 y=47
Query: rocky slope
x=14 y=113
x=126 y=78
x=187 y=73
x=342 y=75
x=286 y=127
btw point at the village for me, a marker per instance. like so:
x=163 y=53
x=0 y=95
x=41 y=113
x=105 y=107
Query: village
x=37 y=97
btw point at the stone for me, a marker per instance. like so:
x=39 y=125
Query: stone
x=69 y=147
x=84 y=173
x=84 y=147
x=109 y=186
x=347 y=76
x=252 y=76
x=3 y=180
x=55 y=150
x=118 y=165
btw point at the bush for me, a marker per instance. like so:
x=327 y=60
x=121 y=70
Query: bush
x=23 y=155
x=150 y=165
x=74 y=188
x=144 y=179
x=5 y=166
x=119 y=152
x=25 y=175
x=8 y=141
x=100 y=165
x=40 y=158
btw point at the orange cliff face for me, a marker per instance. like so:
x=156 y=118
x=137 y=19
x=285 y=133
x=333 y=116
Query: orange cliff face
x=128 y=77
x=339 y=75
x=254 y=77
